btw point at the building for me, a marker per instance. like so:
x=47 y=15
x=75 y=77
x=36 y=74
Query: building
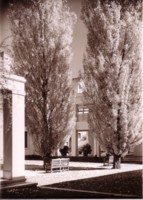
x=81 y=134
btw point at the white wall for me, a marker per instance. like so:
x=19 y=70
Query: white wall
x=30 y=150
x=1 y=128
x=138 y=151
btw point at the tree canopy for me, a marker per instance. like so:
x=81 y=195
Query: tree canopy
x=113 y=73
x=42 y=36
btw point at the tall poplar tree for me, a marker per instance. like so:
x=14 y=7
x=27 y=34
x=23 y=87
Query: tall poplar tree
x=113 y=74
x=42 y=36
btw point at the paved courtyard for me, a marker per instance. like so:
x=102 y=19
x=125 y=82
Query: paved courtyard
x=94 y=170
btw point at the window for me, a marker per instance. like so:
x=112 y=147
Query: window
x=82 y=139
x=26 y=140
x=80 y=88
x=82 y=112
x=79 y=135
x=82 y=109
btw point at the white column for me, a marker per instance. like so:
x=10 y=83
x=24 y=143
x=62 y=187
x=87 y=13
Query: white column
x=1 y=128
x=74 y=143
x=14 y=161
x=96 y=147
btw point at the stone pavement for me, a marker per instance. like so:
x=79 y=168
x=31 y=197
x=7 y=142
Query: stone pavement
x=94 y=170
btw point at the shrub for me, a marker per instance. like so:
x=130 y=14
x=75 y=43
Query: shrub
x=86 y=149
x=64 y=151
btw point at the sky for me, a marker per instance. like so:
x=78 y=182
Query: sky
x=79 y=38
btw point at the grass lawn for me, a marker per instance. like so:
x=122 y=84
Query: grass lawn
x=121 y=183
x=129 y=183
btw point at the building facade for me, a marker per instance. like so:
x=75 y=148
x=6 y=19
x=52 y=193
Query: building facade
x=80 y=134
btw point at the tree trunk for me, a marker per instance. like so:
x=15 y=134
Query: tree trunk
x=46 y=162
x=117 y=162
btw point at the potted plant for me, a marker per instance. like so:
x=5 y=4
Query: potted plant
x=64 y=151
x=86 y=149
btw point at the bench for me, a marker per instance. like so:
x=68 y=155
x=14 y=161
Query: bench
x=60 y=164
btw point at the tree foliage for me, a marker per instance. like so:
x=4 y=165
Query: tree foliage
x=113 y=73
x=42 y=37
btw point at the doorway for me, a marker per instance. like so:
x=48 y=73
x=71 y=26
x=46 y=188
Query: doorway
x=83 y=138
